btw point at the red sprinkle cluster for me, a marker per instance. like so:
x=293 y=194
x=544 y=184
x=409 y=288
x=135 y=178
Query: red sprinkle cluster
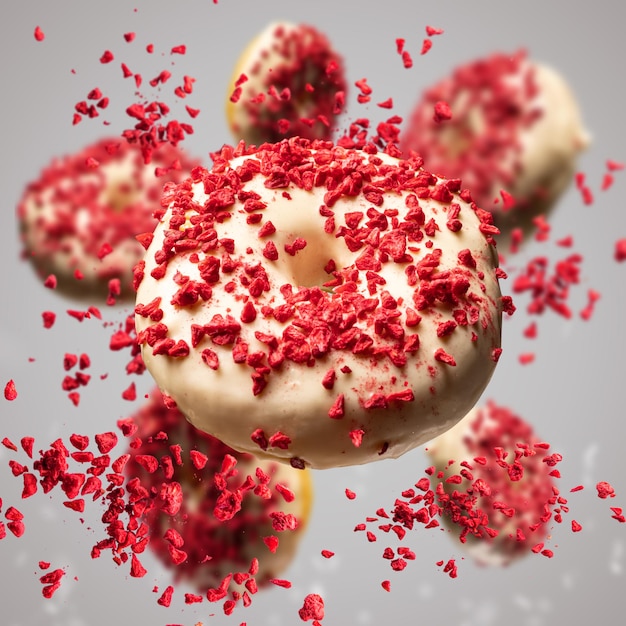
x=189 y=506
x=427 y=44
x=503 y=495
x=150 y=130
x=500 y=89
x=301 y=94
x=206 y=521
x=549 y=288
x=79 y=379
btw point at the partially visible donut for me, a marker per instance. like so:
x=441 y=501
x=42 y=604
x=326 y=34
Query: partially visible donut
x=288 y=82
x=231 y=504
x=499 y=123
x=500 y=504
x=345 y=302
x=79 y=219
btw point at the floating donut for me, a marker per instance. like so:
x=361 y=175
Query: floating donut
x=344 y=303
x=502 y=123
x=288 y=82
x=500 y=504
x=231 y=505
x=79 y=219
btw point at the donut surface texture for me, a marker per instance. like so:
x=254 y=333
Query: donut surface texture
x=79 y=219
x=344 y=304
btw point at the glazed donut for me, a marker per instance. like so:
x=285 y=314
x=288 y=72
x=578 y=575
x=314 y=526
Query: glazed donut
x=79 y=219
x=500 y=503
x=500 y=123
x=347 y=300
x=288 y=82
x=203 y=542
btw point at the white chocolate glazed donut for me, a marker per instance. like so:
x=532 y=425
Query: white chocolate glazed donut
x=215 y=546
x=347 y=301
x=84 y=211
x=509 y=491
x=515 y=126
x=293 y=85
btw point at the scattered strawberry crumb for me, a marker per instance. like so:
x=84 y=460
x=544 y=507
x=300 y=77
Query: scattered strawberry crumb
x=10 y=393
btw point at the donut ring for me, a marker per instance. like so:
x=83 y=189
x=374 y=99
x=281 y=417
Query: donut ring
x=343 y=303
x=499 y=507
x=293 y=85
x=79 y=219
x=514 y=126
x=199 y=543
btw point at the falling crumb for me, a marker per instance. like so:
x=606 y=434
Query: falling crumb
x=10 y=393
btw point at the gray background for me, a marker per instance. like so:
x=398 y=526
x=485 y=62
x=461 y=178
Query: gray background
x=573 y=392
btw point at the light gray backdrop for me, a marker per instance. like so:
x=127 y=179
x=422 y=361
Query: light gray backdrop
x=573 y=393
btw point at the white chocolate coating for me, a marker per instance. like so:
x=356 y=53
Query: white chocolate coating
x=515 y=126
x=383 y=358
x=550 y=146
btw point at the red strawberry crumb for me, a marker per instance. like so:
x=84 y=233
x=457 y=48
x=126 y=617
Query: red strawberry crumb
x=48 y=319
x=50 y=282
x=10 y=392
x=130 y=393
x=605 y=490
x=526 y=358
x=107 y=57
x=312 y=608
x=620 y=250
x=271 y=542
x=442 y=112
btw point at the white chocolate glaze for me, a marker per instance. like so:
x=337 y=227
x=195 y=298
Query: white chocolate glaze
x=384 y=357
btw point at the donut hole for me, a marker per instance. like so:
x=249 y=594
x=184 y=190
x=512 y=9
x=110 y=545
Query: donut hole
x=308 y=267
x=459 y=134
x=119 y=195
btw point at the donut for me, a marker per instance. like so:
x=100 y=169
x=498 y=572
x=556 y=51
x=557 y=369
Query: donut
x=208 y=538
x=79 y=219
x=499 y=504
x=344 y=301
x=288 y=82
x=501 y=123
